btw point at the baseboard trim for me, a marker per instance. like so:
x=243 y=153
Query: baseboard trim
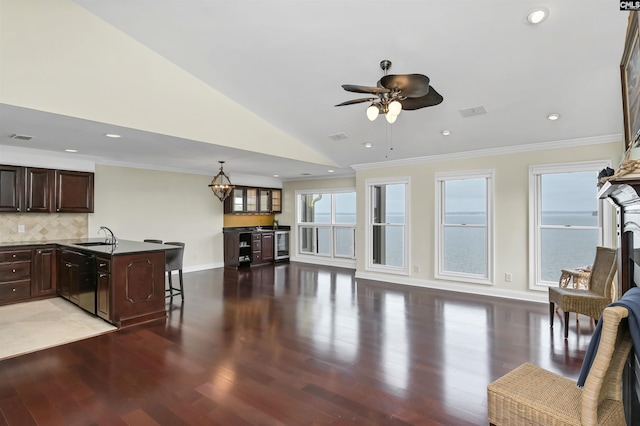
x=325 y=261
x=479 y=289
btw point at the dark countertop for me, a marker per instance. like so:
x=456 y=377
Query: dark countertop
x=254 y=229
x=123 y=247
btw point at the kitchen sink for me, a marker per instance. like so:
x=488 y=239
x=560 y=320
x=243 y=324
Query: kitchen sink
x=94 y=243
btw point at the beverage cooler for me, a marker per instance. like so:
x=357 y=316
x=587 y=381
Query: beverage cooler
x=281 y=243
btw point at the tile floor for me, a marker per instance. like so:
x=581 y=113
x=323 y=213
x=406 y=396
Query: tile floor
x=36 y=325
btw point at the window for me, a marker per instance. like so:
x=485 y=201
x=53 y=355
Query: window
x=565 y=220
x=327 y=223
x=464 y=203
x=387 y=223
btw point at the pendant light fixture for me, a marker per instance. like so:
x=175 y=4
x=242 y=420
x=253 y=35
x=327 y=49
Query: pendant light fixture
x=221 y=185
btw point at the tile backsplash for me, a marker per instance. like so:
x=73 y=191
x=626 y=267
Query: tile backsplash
x=43 y=226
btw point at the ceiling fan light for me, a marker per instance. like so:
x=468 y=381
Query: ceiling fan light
x=395 y=107
x=372 y=112
x=391 y=118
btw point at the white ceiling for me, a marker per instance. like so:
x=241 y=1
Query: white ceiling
x=285 y=61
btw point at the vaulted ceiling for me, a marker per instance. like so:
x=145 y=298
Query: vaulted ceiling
x=254 y=83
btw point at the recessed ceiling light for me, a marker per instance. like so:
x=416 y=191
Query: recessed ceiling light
x=446 y=132
x=276 y=175
x=367 y=145
x=112 y=135
x=71 y=150
x=330 y=170
x=553 y=116
x=537 y=15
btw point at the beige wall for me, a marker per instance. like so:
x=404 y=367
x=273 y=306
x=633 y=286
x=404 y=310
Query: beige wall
x=511 y=214
x=138 y=204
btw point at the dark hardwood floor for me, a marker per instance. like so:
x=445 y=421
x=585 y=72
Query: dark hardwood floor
x=293 y=344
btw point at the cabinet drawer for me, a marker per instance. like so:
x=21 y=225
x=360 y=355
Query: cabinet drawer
x=256 y=245
x=103 y=265
x=14 y=255
x=15 y=290
x=15 y=271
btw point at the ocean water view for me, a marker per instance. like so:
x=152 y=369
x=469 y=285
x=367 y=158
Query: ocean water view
x=562 y=248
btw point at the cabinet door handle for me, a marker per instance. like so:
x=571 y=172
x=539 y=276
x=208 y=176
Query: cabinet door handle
x=29 y=209
x=14 y=271
x=68 y=265
x=13 y=289
x=102 y=265
x=101 y=275
x=14 y=255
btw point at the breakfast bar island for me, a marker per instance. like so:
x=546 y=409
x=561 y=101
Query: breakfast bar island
x=122 y=283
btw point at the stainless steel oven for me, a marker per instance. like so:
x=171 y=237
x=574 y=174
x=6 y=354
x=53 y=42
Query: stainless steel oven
x=281 y=244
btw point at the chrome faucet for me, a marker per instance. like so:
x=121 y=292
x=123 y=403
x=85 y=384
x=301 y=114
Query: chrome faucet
x=113 y=240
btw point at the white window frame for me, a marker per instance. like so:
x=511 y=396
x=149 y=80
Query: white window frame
x=406 y=261
x=440 y=179
x=353 y=240
x=331 y=225
x=535 y=202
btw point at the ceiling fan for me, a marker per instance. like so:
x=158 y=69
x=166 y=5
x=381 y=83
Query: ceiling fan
x=393 y=93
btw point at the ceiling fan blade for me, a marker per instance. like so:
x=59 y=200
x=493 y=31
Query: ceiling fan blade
x=409 y=85
x=357 y=101
x=430 y=99
x=364 y=89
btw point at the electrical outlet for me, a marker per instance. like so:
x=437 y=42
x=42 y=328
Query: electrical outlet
x=508 y=277
x=416 y=268
x=21 y=229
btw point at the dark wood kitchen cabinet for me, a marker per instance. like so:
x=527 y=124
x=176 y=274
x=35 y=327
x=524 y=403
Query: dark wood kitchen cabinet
x=248 y=248
x=137 y=288
x=74 y=191
x=267 y=246
x=15 y=275
x=251 y=203
x=235 y=203
x=246 y=199
x=264 y=202
x=39 y=190
x=43 y=276
x=256 y=249
x=276 y=200
x=261 y=248
x=11 y=188
x=237 y=249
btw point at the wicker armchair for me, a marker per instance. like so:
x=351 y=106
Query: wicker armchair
x=530 y=395
x=590 y=302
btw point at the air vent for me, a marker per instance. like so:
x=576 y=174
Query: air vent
x=305 y=174
x=338 y=136
x=476 y=110
x=21 y=137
